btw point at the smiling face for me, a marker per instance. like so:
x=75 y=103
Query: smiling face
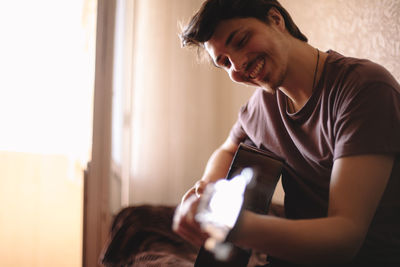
x=251 y=51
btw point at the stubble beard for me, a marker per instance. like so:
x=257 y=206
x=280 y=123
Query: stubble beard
x=271 y=86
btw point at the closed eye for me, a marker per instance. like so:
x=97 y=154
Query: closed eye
x=242 y=41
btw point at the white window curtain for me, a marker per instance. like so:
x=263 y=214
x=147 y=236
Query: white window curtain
x=181 y=109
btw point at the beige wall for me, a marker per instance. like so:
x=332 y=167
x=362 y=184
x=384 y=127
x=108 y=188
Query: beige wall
x=360 y=28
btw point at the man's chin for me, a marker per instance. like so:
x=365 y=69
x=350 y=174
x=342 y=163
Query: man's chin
x=269 y=89
x=265 y=86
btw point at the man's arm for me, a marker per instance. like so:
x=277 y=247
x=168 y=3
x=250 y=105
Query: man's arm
x=357 y=185
x=217 y=168
x=218 y=165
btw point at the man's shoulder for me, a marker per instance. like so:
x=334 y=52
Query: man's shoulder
x=357 y=72
x=361 y=68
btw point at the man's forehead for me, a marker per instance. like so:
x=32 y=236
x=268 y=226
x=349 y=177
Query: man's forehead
x=226 y=27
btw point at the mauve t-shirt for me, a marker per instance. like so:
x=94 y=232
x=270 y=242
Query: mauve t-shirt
x=354 y=110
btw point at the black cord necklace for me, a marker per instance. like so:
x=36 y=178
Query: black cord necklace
x=291 y=104
x=316 y=71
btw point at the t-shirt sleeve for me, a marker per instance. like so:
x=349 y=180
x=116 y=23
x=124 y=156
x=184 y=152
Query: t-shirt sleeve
x=368 y=121
x=237 y=133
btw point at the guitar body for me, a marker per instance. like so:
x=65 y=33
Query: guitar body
x=257 y=198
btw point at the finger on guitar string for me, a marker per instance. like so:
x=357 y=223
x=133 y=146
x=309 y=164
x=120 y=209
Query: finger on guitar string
x=199 y=187
x=185 y=213
x=184 y=223
x=192 y=236
x=189 y=193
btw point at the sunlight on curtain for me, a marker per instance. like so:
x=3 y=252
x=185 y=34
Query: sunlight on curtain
x=182 y=109
x=46 y=92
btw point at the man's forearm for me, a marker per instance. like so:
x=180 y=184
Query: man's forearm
x=218 y=165
x=217 y=168
x=220 y=161
x=331 y=239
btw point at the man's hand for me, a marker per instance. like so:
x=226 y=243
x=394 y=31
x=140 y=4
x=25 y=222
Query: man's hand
x=217 y=167
x=184 y=222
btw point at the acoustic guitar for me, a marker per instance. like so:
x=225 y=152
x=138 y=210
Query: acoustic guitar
x=266 y=173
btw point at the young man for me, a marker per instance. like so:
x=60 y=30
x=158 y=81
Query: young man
x=333 y=120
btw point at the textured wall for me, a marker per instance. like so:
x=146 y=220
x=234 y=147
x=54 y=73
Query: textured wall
x=361 y=28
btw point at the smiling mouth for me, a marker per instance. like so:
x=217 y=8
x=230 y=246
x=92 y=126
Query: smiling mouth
x=257 y=67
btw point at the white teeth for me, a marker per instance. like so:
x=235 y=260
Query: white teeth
x=257 y=69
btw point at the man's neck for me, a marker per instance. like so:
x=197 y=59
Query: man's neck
x=303 y=73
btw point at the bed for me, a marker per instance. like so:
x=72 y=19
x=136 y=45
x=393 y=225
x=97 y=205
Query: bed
x=142 y=236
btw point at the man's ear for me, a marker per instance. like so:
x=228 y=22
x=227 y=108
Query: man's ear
x=275 y=17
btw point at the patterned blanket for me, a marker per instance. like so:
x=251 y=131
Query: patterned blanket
x=142 y=236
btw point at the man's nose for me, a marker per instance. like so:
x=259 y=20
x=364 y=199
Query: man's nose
x=238 y=62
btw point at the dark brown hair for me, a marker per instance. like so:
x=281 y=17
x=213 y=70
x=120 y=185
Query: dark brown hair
x=202 y=25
